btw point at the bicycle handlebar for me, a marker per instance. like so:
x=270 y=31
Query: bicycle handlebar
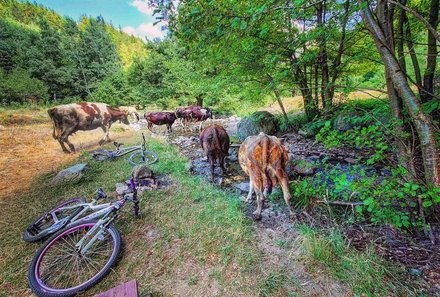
x=100 y=194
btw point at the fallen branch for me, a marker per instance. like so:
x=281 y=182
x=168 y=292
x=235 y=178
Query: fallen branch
x=339 y=203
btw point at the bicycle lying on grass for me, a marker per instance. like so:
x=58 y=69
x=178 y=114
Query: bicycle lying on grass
x=83 y=250
x=143 y=156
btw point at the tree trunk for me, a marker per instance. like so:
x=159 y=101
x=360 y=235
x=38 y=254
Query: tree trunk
x=199 y=100
x=325 y=88
x=310 y=106
x=278 y=97
x=422 y=123
x=431 y=60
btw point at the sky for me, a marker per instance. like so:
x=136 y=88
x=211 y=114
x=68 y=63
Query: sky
x=133 y=16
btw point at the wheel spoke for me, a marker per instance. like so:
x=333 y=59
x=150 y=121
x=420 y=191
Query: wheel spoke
x=63 y=267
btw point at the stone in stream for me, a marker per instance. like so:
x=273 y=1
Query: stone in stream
x=72 y=173
x=243 y=186
x=260 y=121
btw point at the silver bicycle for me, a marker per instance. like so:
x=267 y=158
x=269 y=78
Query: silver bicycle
x=142 y=156
x=71 y=211
x=82 y=253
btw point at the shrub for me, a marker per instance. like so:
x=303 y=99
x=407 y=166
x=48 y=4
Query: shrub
x=18 y=87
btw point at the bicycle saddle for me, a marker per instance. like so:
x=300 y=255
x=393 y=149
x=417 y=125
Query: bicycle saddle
x=117 y=144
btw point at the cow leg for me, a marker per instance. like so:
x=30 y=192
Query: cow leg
x=65 y=138
x=260 y=200
x=63 y=146
x=211 y=164
x=284 y=182
x=251 y=190
x=223 y=167
x=200 y=127
x=150 y=127
x=106 y=138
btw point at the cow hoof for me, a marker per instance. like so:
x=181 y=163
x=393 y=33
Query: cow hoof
x=256 y=216
x=66 y=151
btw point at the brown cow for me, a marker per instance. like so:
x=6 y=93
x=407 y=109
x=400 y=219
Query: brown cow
x=70 y=118
x=215 y=142
x=193 y=113
x=160 y=118
x=264 y=159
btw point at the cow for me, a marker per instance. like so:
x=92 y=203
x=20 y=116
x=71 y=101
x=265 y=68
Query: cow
x=193 y=114
x=130 y=110
x=264 y=159
x=160 y=118
x=215 y=142
x=70 y=118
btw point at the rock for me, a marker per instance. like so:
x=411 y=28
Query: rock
x=350 y=160
x=72 y=173
x=306 y=132
x=244 y=186
x=415 y=272
x=122 y=188
x=260 y=121
x=267 y=213
x=153 y=234
x=2 y=128
x=142 y=172
x=304 y=167
x=347 y=121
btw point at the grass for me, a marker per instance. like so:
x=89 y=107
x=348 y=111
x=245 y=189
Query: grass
x=203 y=237
x=364 y=272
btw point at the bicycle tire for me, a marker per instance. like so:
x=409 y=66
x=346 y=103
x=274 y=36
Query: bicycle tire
x=41 y=289
x=29 y=234
x=136 y=158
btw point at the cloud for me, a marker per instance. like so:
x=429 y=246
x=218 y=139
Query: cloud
x=143 y=7
x=147 y=30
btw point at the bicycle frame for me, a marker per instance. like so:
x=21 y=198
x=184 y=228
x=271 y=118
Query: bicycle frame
x=125 y=150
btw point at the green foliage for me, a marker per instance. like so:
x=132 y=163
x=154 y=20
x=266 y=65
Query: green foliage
x=18 y=87
x=113 y=90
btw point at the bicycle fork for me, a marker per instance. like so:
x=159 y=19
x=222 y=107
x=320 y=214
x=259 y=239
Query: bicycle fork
x=94 y=234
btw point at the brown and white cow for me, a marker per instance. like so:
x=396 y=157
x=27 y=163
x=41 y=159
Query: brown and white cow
x=70 y=118
x=160 y=118
x=131 y=111
x=264 y=159
x=215 y=142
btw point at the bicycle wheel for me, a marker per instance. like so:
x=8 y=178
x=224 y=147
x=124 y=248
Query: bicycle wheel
x=46 y=225
x=59 y=269
x=148 y=157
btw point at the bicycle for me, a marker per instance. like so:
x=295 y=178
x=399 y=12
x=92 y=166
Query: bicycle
x=80 y=255
x=140 y=157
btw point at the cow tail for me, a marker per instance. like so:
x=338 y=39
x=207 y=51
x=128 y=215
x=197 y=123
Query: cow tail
x=51 y=113
x=267 y=182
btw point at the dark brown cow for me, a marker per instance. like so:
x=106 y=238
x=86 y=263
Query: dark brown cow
x=264 y=159
x=215 y=142
x=160 y=118
x=193 y=113
x=70 y=118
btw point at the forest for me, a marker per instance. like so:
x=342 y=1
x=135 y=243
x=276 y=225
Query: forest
x=363 y=77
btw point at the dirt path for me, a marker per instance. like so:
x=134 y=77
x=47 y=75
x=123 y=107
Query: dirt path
x=29 y=151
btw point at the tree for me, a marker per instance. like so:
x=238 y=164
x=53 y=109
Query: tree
x=381 y=30
x=98 y=57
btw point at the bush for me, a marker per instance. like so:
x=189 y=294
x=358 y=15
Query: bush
x=18 y=87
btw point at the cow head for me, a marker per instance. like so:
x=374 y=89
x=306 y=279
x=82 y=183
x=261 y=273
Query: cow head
x=124 y=119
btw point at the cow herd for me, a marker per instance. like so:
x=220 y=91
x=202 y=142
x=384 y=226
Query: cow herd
x=262 y=157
